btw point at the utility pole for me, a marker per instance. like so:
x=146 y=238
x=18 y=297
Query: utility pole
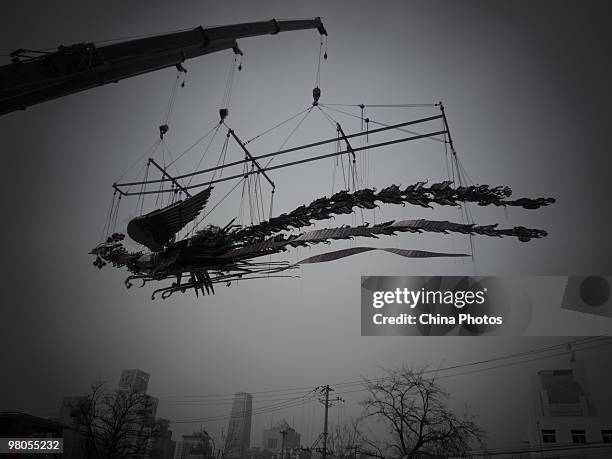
x=327 y=389
x=324 y=391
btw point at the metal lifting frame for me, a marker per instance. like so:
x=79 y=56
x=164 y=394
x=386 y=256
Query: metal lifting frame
x=262 y=170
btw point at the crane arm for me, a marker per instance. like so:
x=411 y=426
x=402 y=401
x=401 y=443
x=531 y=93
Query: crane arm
x=34 y=77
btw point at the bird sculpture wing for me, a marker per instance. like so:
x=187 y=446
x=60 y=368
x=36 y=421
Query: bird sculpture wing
x=156 y=229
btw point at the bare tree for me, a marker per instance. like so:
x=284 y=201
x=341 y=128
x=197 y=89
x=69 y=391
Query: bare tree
x=345 y=439
x=115 y=424
x=225 y=444
x=415 y=411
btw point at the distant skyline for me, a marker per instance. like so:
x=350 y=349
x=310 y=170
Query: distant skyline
x=526 y=88
x=238 y=436
x=222 y=412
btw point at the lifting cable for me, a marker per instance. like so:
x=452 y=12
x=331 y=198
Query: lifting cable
x=271 y=204
x=221 y=157
x=141 y=167
x=215 y=130
x=318 y=74
x=107 y=224
x=257 y=185
x=173 y=163
x=249 y=181
x=338 y=158
x=216 y=205
x=116 y=213
x=111 y=224
x=249 y=194
x=305 y=112
x=278 y=125
x=241 y=208
x=365 y=122
x=141 y=196
x=460 y=172
x=293 y=131
x=335 y=161
x=229 y=84
x=352 y=164
x=263 y=212
x=363 y=154
x=253 y=197
x=259 y=198
x=172 y=99
x=116 y=200
x=140 y=158
x=224 y=151
x=159 y=194
x=193 y=145
x=379 y=123
x=450 y=168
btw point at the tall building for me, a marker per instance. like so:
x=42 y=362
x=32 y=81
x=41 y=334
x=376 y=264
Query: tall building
x=239 y=429
x=131 y=411
x=281 y=438
x=133 y=381
x=565 y=422
x=137 y=381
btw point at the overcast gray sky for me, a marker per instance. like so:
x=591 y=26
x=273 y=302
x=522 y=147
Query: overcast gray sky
x=526 y=90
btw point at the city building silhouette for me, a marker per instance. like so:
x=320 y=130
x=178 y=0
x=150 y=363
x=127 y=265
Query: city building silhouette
x=238 y=438
x=130 y=401
x=565 y=420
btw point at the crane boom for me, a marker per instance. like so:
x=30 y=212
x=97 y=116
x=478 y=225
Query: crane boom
x=34 y=76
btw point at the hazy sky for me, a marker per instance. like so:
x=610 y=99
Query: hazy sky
x=526 y=87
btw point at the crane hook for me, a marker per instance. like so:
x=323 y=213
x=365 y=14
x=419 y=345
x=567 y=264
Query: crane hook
x=316 y=94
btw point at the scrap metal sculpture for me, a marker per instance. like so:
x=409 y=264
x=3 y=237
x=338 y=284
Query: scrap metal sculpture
x=225 y=254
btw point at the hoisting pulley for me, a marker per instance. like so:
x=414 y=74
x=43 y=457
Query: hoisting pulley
x=316 y=94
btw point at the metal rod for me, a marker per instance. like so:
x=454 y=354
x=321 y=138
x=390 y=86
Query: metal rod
x=253 y=161
x=294 y=163
x=290 y=150
x=450 y=139
x=163 y=171
x=118 y=190
x=348 y=145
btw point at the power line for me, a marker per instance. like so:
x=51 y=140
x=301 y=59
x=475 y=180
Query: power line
x=487 y=368
x=495 y=359
x=181 y=400
x=580 y=341
x=299 y=401
x=295 y=402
